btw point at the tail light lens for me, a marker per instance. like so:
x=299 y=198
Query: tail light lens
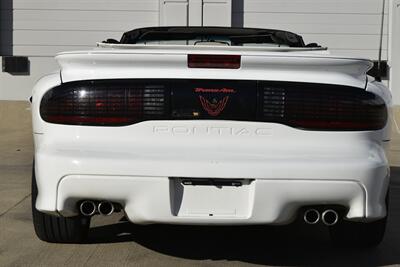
x=108 y=103
x=300 y=105
x=322 y=107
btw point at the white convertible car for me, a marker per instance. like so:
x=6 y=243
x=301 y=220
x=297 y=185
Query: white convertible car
x=211 y=126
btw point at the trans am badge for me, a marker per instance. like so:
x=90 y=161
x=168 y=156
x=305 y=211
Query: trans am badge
x=214 y=107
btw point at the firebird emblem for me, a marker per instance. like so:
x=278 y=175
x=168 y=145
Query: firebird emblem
x=214 y=108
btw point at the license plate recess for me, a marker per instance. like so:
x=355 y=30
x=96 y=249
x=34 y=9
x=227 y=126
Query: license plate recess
x=205 y=197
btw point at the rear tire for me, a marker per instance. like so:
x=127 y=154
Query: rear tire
x=57 y=229
x=359 y=234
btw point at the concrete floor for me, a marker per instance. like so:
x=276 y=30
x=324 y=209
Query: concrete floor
x=113 y=242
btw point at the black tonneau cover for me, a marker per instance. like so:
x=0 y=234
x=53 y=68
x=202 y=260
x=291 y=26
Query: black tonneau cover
x=236 y=36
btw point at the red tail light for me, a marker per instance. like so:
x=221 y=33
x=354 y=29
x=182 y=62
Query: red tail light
x=323 y=107
x=300 y=105
x=214 y=61
x=109 y=103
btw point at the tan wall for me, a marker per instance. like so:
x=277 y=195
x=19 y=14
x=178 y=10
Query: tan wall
x=19 y=87
x=40 y=29
x=347 y=27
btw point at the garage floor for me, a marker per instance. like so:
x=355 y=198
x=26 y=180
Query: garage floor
x=113 y=242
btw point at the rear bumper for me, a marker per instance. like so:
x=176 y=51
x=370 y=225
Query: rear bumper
x=155 y=200
x=134 y=166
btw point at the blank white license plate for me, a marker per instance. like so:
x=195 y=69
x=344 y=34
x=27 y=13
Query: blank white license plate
x=211 y=198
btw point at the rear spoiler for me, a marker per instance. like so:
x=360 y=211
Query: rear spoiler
x=159 y=63
x=214 y=47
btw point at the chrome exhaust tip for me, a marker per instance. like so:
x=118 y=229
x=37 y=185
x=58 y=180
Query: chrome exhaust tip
x=87 y=208
x=330 y=217
x=106 y=208
x=311 y=216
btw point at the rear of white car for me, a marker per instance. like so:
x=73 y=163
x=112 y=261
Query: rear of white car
x=211 y=135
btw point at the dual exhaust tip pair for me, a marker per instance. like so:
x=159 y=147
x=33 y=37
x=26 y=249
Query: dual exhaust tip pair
x=89 y=208
x=329 y=217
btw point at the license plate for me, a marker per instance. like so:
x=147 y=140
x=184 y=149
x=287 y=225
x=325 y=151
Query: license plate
x=211 y=197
